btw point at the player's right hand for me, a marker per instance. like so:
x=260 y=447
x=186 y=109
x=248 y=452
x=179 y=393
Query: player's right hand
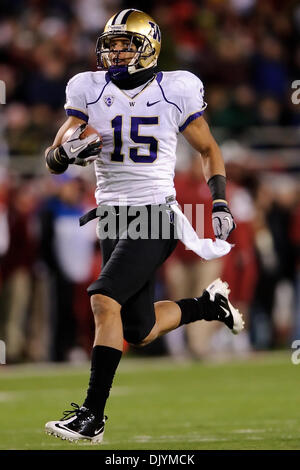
x=81 y=151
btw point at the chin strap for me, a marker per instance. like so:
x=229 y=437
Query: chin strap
x=124 y=80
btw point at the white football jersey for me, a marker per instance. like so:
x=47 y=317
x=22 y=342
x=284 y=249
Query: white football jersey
x=139 y=129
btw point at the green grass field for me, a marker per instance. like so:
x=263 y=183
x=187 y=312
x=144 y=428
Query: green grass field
x=159 y=404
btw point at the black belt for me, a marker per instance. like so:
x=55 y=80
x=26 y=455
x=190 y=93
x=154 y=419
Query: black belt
x=93 y=214
x=90 y=215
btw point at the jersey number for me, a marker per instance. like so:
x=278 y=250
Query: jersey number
x=118 y=156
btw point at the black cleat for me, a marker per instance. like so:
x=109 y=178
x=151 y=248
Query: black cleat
x=82 y=425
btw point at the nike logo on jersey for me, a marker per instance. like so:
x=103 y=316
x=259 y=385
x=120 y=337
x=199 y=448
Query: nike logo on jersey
x=75 y=149
x=151 y=104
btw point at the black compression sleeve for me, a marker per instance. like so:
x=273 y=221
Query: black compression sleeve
x=217 y=186
x=56 y=162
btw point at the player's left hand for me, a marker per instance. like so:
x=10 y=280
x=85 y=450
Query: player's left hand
x=222 y=221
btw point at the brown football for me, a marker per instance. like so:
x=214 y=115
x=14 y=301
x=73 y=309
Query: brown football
x=88 y=131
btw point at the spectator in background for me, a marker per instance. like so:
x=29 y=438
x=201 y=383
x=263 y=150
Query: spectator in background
x=269 y=69
x=27 y=129
x=269 y=112
x=69 y=260
x=236 y=111
x=17 y=131
x=295 y=239
x=47 y=85
x=16 y=270
x=4 y=228
x=274 y=201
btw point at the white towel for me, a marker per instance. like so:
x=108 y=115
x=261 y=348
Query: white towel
x=204 y=247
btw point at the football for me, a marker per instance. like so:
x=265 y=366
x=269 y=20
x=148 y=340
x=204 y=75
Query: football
x=87 y=131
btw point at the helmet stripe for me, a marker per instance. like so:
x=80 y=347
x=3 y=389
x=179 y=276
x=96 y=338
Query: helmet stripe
x=118 y=19
x=115 y=17
x=125 y=17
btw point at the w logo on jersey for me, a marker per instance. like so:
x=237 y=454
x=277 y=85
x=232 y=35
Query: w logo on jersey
x=155 y=31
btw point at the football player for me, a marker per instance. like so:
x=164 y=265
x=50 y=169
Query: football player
x=139 y=112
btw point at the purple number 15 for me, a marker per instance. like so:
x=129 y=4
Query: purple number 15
x=117 y=124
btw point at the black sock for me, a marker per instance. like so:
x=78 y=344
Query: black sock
x=105 y=361
x=198 y=308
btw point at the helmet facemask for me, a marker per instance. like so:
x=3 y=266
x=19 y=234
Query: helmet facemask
x=144 y=56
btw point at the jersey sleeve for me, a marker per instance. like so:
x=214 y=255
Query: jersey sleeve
x=192 y=100
x=76 y=103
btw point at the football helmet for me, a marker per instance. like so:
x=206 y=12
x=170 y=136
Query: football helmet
x=141 y=30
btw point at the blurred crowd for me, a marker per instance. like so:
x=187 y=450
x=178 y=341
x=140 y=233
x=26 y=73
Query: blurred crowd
x=245 y=51
x=247 y=54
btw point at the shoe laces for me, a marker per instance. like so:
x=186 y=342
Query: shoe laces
x=69 y=413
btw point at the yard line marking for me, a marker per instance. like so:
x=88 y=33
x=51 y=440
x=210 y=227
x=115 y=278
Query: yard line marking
x=177 y=437
x=248 y=431
x=20 y=394
x=6 y=396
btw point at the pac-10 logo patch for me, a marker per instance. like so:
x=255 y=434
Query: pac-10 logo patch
x=155 y=31
x=108 y=100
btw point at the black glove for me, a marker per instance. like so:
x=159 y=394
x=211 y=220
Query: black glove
x=222 y=220
x=81 y=151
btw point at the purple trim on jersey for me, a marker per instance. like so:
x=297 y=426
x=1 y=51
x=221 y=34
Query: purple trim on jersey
x=93 y=102
x=107 y=77
x=220 y=204
x=159 y=77
x=190 y=119
x=77 y=113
